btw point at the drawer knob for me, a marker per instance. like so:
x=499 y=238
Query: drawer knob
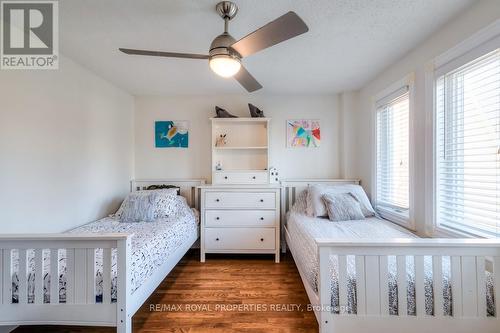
x=253 y=177
x=217 y=218
x=217 y=239
x=225 y=177
x=217 y=200
x=262 y=239
x=262 y=219
x=261 y=200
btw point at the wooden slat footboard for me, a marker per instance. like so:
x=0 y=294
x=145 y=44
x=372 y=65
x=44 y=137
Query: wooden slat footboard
x=468 y=259
x=80 y=306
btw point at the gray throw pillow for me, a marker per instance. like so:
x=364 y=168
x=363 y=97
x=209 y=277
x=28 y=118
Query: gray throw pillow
x=140 y=208
x=315 y=204
x=342 y=207
x=165 y=204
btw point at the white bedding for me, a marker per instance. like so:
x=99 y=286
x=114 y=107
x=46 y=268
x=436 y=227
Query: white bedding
x=303 y=231
x=152 y=243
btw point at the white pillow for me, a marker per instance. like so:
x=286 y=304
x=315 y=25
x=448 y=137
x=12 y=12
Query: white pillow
x=316 y=206
x=360 y=194
x=165 y=202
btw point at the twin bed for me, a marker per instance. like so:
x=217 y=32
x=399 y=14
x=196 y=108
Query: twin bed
x=151 y=245
x=104 y=270
x=371 y=275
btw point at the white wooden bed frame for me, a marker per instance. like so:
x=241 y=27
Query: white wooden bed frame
x=469 y=257
x=80 y=307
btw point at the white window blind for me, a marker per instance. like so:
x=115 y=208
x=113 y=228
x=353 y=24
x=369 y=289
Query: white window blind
x=468 y=147
x=392 y=170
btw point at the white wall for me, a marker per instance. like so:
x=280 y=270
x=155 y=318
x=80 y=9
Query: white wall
x=348 y=104
x=66 y=148
x=195 y=161
x=466 y=24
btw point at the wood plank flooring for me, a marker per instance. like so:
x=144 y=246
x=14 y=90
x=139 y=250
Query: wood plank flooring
x=225 y=294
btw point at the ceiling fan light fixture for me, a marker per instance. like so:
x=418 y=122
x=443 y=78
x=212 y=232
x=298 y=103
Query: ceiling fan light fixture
x=225 y=65
x=225 y=53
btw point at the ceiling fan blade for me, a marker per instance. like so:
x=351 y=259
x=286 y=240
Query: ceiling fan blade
x=277 y=31
x=247 y=80
x=164 y=54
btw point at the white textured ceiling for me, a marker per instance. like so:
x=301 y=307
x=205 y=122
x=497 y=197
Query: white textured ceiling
x=348 y=43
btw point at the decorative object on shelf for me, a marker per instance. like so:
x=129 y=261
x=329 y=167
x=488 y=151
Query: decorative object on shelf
x=221 y=113
x=255 y=112
x=273 y=176
x=221 y=140
x=303 y=133
x=218 y=166
x=172 y=134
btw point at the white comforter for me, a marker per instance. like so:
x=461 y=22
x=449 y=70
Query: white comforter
x=303 y=231
x=152 y=243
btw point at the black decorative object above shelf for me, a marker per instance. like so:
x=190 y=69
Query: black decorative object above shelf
x=221 y=113
x=255 y=112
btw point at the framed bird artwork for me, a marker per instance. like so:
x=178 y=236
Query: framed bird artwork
x=172 y=134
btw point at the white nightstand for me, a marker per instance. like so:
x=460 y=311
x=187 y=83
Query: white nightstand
x=240 y=219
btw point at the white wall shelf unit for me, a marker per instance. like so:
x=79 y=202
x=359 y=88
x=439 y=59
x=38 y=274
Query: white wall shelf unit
x=244 y=158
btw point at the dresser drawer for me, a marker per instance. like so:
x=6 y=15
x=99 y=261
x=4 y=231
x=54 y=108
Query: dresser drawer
x=240 y=239
x=248 y=178
x=240 y=218
x=258 y=200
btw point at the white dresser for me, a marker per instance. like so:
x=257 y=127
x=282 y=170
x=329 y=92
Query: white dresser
x=240 y=219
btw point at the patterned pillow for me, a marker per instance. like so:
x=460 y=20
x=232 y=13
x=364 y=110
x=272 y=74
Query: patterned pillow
x=166 y=202
x=300 y=205
x=164 y=205
x=139 y=208
x=342 y=207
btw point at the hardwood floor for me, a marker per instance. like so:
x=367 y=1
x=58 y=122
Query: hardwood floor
x=225 y=294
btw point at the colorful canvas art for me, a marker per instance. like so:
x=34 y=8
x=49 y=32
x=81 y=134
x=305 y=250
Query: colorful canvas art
x=303 y=133
x=172 y=134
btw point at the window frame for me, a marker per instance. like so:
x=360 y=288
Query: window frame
x=477 y=45
x=404 y=219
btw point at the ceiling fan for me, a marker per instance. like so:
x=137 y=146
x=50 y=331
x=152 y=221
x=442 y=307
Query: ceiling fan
x=225 y=52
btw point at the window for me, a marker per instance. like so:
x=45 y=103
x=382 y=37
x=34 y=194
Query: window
x=467 y=177
x=392 y=158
